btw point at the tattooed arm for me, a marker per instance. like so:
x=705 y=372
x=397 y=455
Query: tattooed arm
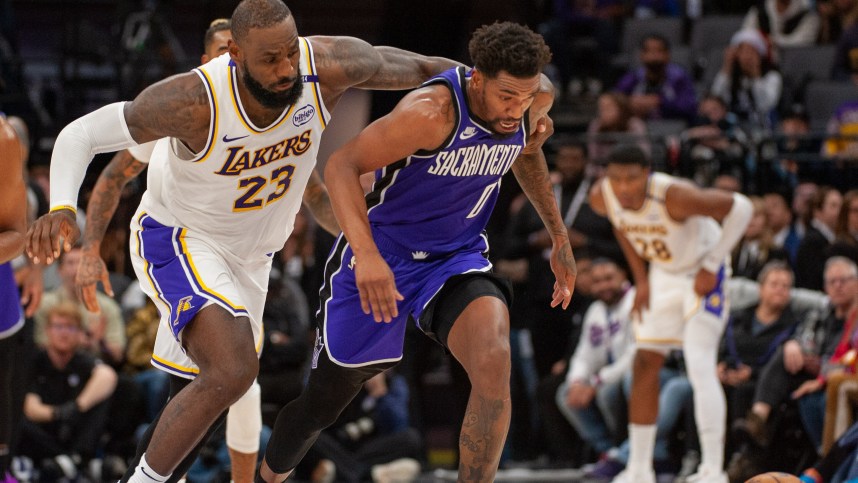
x=102 y=205
x=317 y=200
x=344 y=62
x=176 y=107
x=531 y=171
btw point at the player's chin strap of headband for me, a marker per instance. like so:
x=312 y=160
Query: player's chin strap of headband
x=101 y=131
x=732 y=228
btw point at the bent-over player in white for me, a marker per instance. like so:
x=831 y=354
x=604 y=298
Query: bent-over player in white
x=686 y=234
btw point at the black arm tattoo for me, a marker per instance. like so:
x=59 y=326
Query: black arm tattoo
x=105 y=196
x=175 y=107
x=368 y=67
x=531 y=172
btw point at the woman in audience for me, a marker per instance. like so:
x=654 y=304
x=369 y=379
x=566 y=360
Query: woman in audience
x=748 y=81
x=614 y=123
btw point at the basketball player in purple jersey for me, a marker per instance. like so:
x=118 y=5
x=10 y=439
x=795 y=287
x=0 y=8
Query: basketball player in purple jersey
x=414 y=249
x=13 y=227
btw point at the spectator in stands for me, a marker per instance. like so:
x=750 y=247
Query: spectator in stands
x=794 y=370
x=747 y=80
x=658 y=88
x=841 y=285
x=786 y=23
x=614 y=123
x=798 y=153
x=66 y=404
x=753 y=336
x=815 y=246
x=839 y=378
x=836 y=16
x=756 y=248
x=710 y=146
x=592 y=395
x=104 y=332
x=843 y=129
x=780 y=220
x=846 y=232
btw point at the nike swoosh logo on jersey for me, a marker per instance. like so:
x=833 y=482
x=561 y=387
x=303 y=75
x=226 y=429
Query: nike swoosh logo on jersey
x=228 y=139
x=468 y=133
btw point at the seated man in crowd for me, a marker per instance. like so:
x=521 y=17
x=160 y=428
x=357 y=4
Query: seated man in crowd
x=753 y=335
x=795 y=369
x=659 y=89
x=591 y=398
x=66 y=405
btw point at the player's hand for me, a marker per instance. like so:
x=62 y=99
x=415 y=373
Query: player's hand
x=543 y=130
x=91 y=271
x=377 y=288
x=32 y=287
x=565 y=271
x=793 y=358
x=641 y=302
x=705 y=282
x=49 y=234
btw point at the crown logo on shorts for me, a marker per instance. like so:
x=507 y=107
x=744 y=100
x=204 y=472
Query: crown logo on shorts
x=420 y=255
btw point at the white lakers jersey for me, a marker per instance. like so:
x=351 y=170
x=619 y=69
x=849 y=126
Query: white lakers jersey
x=243 y=189
x=674 y=247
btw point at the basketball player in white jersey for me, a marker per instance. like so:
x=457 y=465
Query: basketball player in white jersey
x=686 y=234
x=242 y=136
x=244 y=418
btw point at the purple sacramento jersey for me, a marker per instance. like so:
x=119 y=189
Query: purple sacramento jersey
x=433 y=203
x=427 y=213
x=11 y=315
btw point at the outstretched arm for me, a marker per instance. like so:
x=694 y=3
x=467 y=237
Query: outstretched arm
x=422 y=120
x=531 y=171
x=176 y=107
x=402 y=69
x=345 y=62
x=13 y=195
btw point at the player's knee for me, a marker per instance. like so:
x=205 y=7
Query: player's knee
x=490 y=365
x=235 y=377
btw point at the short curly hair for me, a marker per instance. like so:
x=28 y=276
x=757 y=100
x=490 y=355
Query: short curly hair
x=509 y=47
x=253 y=14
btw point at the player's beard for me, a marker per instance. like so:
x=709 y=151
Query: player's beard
x=273 y=99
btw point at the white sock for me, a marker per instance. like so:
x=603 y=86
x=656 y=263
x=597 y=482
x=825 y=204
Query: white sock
x=144 y=474
x=641 y=446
